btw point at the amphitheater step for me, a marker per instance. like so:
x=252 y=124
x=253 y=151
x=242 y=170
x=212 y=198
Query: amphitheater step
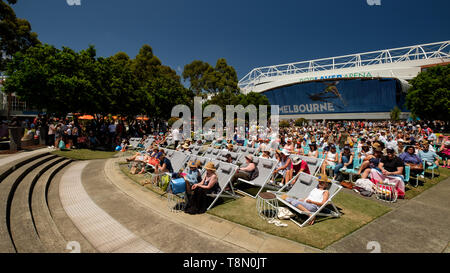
x=12 y=176
x=63 y=223
x=22 y=224
x=49 y=235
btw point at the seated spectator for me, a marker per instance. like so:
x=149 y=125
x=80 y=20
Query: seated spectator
x=410 y=158
x=164 y=166
x=284 y=168
x=331 y=158
x=198 y=201
x=429 y=157
x=316 y=198
x=266 y=154
x=345 y=161
x=313 y=151
x=193 y=175
x=228 y=158
x=445 y=154
x=370 y=162
x=289 y=147
x=365 y=151
x=247 y=172
x=391 y=169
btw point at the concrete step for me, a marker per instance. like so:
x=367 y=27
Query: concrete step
x=12 y=177
x=49 y=235
x=64 y=224
x=22 y=226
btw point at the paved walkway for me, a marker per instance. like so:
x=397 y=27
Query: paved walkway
x=421 y=225
x=214 y=234
x=100 y=229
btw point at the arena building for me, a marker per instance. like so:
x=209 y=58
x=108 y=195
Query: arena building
x=358 y=86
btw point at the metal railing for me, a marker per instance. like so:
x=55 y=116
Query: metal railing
x=260 y=75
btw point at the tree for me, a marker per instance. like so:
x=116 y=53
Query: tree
x=15 y=34
x=429 y=96
x=204 y=78
x=395 y=113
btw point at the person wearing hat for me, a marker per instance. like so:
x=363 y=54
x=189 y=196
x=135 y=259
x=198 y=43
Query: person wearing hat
x=390 y=168
x=199 y=200
x=248 y=171
x=316 y=198
x=230 y=147
x=428 y=156
x=193 y=175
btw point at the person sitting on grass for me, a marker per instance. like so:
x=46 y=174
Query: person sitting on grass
x=316 y=198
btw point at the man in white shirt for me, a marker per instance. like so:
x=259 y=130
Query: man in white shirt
x=177 y=137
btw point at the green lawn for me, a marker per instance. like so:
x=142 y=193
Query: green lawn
x=356 y=212
x=425 y=184
x=84 y=154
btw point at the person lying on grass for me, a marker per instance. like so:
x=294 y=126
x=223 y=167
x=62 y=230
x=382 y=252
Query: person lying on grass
x=316 y=198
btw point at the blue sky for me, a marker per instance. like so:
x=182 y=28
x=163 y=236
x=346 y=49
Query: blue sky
x=247 y=33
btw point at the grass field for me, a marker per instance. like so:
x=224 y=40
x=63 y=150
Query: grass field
x=84 y=154
x=356 y=212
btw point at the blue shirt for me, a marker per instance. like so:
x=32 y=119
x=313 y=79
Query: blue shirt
x=428 y=156
x=413 y=159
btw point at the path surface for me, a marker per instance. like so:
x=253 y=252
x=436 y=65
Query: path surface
x=419 y=225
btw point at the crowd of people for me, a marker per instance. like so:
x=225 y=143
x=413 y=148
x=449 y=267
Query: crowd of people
x=382 y=148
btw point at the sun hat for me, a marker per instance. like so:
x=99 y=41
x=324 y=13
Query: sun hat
x=249 y=157
x=185 y=146
x=324 y=178
x=285 y=152
x=194 y=164
x=210 y=166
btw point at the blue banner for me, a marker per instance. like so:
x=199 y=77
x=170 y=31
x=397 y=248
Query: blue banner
x=338 y=96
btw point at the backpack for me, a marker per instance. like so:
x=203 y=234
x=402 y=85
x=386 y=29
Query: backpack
x=61 y=145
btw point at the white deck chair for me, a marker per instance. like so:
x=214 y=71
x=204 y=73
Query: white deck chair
x=234 y=156
x=134 y=141
x=301 y=189
x=265 y=167
x=225 y=172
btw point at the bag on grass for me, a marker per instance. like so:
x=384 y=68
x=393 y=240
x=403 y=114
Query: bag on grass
x=177 y=185
x=165 y=180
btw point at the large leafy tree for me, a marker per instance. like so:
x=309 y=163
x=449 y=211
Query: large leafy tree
x=204 y=78
x=429 y=97
x=15 y=34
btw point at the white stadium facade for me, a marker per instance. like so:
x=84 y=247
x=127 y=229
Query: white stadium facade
x=357 y=86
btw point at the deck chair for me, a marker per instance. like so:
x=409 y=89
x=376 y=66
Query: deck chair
x=301 y=189
x=314 y=164
x=195 y=149
x=234 y=156
x=225 y=172
x=134 y=141
x=212 y=153
x=265 y=167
